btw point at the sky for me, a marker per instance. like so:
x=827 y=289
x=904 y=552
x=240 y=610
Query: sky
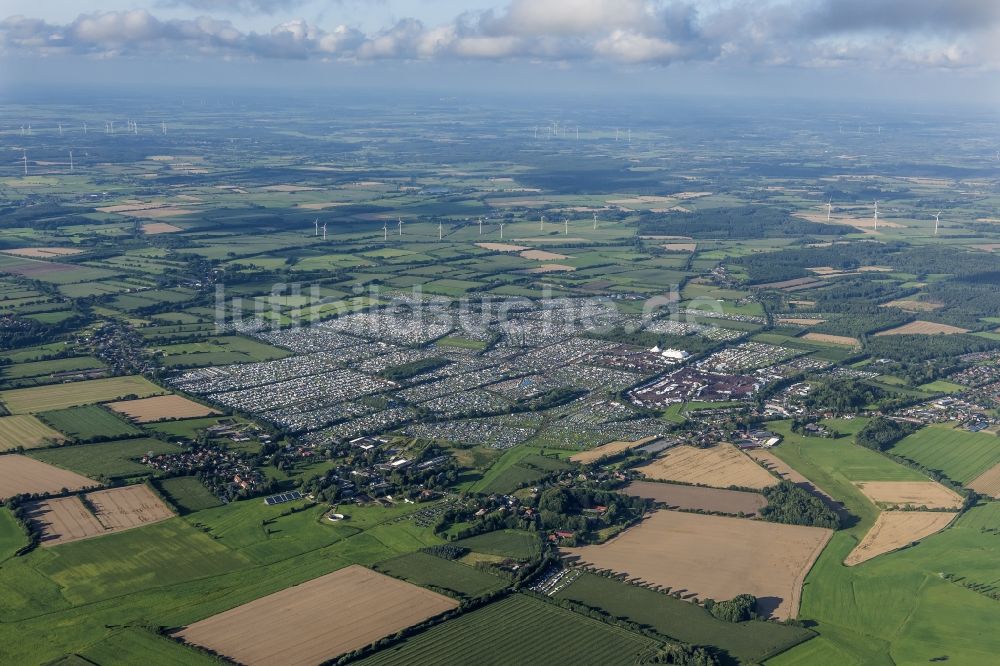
x=864 y=49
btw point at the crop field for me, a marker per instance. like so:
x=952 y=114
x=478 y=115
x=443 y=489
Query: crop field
x=517 y=630
x=161 y=408
x=61 y=396
x=776 y=465
x=720 y=466
x=515 y=544
x=915 y=494
x=26 y=431
x=923 y=328
x=188 y=493
x=897 y=529
x=718 y=557
x=277 y=628
x=832 y=339
x=698 y=498
x=987 y=483
x=609 y=449
x=959 y=454
x=21 y=474
x=442 y=575
x=69 y=519
x=64 y=519
x=89 y=422
x=108 y=459
x=749 y=642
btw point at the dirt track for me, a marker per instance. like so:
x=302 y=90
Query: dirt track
x=720 y=466
x=317 y=620
x=715 y=556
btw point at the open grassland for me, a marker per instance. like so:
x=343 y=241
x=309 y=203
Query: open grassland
x=107 y=459
x=776 y=465
x=61 y=396
x=714 y=556
x=958 y=454
x=896 y=608
x=26 y=431
x=134 y=645
x=517 y=630
x=698 y=498
x=518 y=466
x=609 y=449
x=89 y=422
x=915 y=494
x=283 y=627
x=749 y=642
x=516 y=544
x=447 y=576
x=23 y=475
x=161 y=408
x=897 y=529
x=12 y=537
x=720 y=466
x=188 y=494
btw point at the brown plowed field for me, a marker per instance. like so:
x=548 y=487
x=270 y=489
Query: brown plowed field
x=988 y=483
x=64 y=519
x=161 y=407
x=21 y=474
x=698 y=498
x=317 y=620
x=715 y=556
x=720 y=466
x=609 y=449
x=896 y=529
x=929 y=494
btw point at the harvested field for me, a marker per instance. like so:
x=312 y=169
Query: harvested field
x=832 y=339
x=698 y=498
x=153 y=228
x=987 y=483
x=321 y=205
x=21 y=474
x=161 y=408
x=60 y=396
x=291 y=627
x=551 y=268
x=791 y=284
x=502 y=247
x=43 y=252
x=927 y=494
x=720 y=466
x=896 y=529
x=64 y=519
x=288 y=188
x=913 y=306
x=543 y=255
x=800 y=321
x=680 y=247
x=715 y=556
x=26 y=431
x=924 y=328
x=609 y=449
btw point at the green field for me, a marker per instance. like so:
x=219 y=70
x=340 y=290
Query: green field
x=749 y=642
x=959 y=454
x=44 y=368
x=11 y=535
x=26 y=431
x=135 y=645
x=61 y=396
x=188 y=494
x=89 y=422
x=441 y=574
x=517 y=544
x=107 y=459
x=217 y=351
x=520 y=465
x=518 y=630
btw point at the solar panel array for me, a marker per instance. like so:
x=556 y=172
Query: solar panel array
x=281 y=498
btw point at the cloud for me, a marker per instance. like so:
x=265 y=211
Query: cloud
x=269 y=7
x=808 y=33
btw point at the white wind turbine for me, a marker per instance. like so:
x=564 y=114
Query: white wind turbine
x=400 y=220
x=501 y=231
x=316 y=224
x=876 y=215
x=829 y=209
x=937 y=221
x=565 y=225
x=541 y=223
x=480 y=226
x=324 y=231
x=71 y=160
x=25 y=157
x=163 y=127
x=385 y=231
x=60 y=129
x=440 y=231
x=85 y=127
x=595 y=221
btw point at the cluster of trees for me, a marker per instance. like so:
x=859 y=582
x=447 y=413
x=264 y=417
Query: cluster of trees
x=446 y=551
x=740 y=608
x=881 y=433
x=414 y=368
x=914 y=348
x=736 y=222
x=572 y=509
x=845 y=396
x=793 y=505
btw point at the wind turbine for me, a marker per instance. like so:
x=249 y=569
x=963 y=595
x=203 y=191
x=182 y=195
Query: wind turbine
x=385 y=231
x=440 y=231
x=25 y=157
x=316 y=224
x=400 y=220
x=163 y=127
x=595 y=221
x=60 y=129
x=22 y=130
x=85 y=127
x=480 y=226
x=112 y=127
x=71 y=160
x=541 y=223
x=324 y=231
x=617 y=132
x=829 y=209
x=536 y=131
x=565 y=225
x=501 y=231
x=630 y=136
x=937 y=221
x=876 y=215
